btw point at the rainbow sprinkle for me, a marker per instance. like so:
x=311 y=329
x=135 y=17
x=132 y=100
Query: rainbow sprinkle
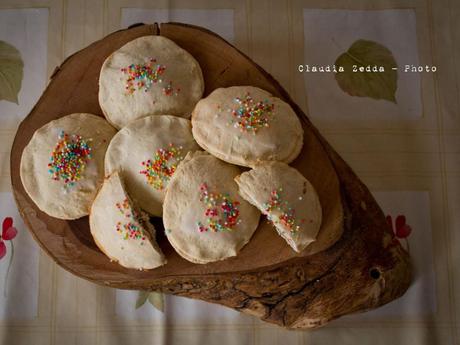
x=221 y=213
x=69 y=158
x=250 y=116
x=131 y=229
x=287 y=214
x=159 y=170
x=168 y=90
x=143 y=76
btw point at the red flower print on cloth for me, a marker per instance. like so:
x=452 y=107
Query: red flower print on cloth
x=8 y=233
x=401 y=229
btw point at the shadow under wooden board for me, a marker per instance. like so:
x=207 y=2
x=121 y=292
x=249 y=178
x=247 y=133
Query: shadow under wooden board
x=355 y=264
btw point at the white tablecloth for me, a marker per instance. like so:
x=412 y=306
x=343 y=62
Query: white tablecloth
x=408 y=153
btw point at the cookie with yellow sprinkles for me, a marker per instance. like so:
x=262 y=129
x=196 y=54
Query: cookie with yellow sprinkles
x=63 y=164
x=147 y=153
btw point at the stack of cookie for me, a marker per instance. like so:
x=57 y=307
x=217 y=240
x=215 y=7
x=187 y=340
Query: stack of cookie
x=209 y=178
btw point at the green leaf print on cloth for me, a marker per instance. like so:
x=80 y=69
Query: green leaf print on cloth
x=11 y=72
x=376 y=85
x=156 y=299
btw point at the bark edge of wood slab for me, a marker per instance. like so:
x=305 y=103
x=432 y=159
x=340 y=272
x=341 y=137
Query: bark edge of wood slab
x=358 y=265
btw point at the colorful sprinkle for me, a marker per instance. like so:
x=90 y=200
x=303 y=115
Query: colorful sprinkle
x=69 y=158
x=124 y=208
x=221 y=212
x=132 y=228
x=250 y=115
x=143 y=76
x=168 y=90
x=159 y=170
x=286 y=213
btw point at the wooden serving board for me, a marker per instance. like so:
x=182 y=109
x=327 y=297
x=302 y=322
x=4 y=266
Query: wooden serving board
x=355 y=264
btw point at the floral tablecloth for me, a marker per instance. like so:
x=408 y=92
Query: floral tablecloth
x=404 y=145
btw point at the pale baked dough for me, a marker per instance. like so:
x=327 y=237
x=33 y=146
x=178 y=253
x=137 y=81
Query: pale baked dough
x=276 y=136
x=55 y=197
x=287 y=198
x=175 y=88
x=121 y=230
x=184 y=210
x=162 y=139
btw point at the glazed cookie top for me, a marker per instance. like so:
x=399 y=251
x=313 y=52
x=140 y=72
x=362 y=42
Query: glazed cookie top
x=288 y=200
x=146 y=153
x=148 y=76
x=204 y=217
x=121 y=230
x=245 y=125
x=63 y=164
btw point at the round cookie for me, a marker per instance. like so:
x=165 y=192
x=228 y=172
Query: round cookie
x=204 y=217
x=245 y=125
x=148 y=76
x=63 y=164
x=147 y=152
x=288 y=200
x=122 y=231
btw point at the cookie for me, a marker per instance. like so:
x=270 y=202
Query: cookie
x=245 y=125
x=288 y=200
x=147 y=152
x=121 y=230
x=63 y=164
x=150 y=75
x=204 y=217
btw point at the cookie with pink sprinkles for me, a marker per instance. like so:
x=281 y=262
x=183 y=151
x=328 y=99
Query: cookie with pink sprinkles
x=150 y=75
x=245 y=125
x=204 y=217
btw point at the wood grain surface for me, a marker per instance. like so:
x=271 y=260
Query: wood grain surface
x=356 y=264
